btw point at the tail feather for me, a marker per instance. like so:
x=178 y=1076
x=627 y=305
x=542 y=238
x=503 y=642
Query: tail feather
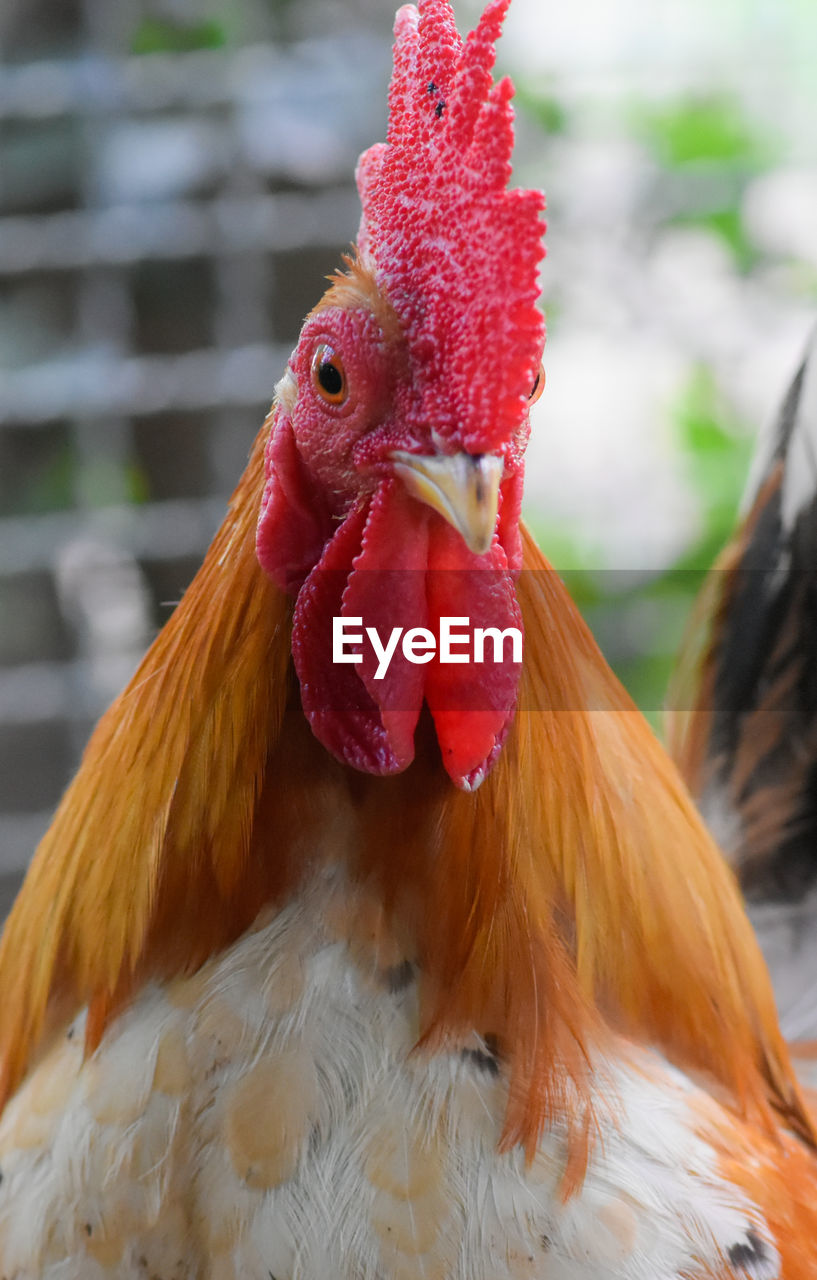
x=748 y=745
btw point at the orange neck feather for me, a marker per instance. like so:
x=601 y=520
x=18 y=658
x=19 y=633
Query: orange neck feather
x=577 y=890
x=160 y=814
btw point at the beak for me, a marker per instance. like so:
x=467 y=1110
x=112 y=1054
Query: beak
x=463 y=488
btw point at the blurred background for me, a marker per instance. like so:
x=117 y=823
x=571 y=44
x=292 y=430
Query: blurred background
x=175 y=181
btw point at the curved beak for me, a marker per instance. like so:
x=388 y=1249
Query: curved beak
x=463 y=488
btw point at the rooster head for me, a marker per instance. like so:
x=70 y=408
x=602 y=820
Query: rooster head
x=395 y=460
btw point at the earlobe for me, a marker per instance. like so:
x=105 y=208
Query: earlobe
x=294 y=525
x=286 y=391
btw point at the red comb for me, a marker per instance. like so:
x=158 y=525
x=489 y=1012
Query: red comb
x=456 y=252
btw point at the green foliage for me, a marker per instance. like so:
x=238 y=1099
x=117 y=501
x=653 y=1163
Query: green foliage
x=717 y=454
x=40 y=485
x=727 y=224
x=103 y=483
x=544 y=108
x=137 y=484
x=638 y=619
x=802 y=280
x=162 y=35
x=710 y=139
x=695 y=130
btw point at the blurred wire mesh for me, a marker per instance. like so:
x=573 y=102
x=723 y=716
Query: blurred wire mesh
x=166 y=219
x=175 y=180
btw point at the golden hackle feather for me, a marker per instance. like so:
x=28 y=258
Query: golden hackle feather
x=576 y=890
x=661 y=938
x=164 y=800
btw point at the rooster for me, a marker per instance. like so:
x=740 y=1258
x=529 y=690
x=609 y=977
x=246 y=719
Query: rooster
x=328 y=970
x=743 y=720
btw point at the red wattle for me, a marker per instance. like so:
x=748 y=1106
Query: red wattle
x=393 y=563
x=335 y=700
x=473 y=704
x=387 y=589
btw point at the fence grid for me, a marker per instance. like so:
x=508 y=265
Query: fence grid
x=165 y=222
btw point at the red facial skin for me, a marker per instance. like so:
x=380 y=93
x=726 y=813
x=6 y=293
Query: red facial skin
x=339 y=531
x=449 y=258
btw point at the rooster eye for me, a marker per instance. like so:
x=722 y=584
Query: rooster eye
x=538 y=385
x=328 y=374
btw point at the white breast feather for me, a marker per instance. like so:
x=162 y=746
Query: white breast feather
x=268 y=1117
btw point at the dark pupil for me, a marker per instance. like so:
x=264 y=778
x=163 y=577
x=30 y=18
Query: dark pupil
x=330 y=378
